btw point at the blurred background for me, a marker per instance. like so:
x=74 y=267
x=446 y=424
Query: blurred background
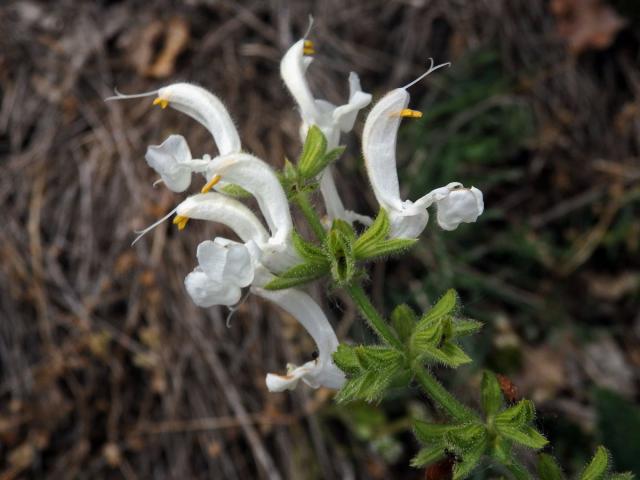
x=107 y=370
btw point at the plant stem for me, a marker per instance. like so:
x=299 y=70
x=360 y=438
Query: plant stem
x=441 y=396
x=302 y=199
x=372 y=316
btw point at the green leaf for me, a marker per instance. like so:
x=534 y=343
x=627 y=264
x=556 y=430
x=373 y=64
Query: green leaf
x=520 y=414
x=314 y=149
x=327 y=159
x=376 y=232
x=432 y=432
x=597 y=468
x=464 y=327
x=517 y=470
x=235 y=191
x=370 y=386
x=298 y=275
x=379 y=358
x=428 y=455
x=548 y=468
x=466 y=436
x=346 y=359
x=470 y=458
x=307 y=250
x=385 y=248
x=445 y=307
x=448 y=354
x=403 y=319
x=491 y=393
x=622 y=476
x=526 y=436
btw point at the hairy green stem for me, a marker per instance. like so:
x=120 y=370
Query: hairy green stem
x=302 y=200
x=372 y=316
x=441 y=396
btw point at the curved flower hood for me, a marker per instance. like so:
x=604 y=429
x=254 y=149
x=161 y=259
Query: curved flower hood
x=205 y=108
x=455 y=203
x=315 y=373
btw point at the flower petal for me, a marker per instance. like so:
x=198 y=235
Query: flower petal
x=345 y=115
x=321 y=371
x=460 y=206
x=216 y=207
x=206 y=293
x=167 y=160
x=225 y=262
x=260 y=180
x=206 y=108
x=379 y=147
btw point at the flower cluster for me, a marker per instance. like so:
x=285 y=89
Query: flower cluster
x=226 y=267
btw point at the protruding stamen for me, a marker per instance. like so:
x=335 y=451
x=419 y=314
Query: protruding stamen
x=408 y=113
x=432 y=68
x=164 y=103
x=181 y=221
x=308 y=44
x=122 y=96
x=211 y=183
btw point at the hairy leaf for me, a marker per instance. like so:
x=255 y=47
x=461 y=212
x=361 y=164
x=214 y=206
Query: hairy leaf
x=597 y=468
x=307 y=250
x=526 y=435
x=428 y=455
x=491 y=393
x=445 y=307
x=548 y=468
x=346 y=359
x=314 y=149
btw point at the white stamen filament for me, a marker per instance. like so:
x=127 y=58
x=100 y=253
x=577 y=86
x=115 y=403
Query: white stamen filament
x=142 y=233
x=428 y=72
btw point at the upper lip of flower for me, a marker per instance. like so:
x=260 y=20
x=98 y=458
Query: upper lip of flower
x=205 y=108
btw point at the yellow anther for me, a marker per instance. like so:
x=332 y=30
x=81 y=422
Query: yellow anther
x=211 y=183
x=181 y=221
x=407 y=112
x=307 y=47
x=162 y=102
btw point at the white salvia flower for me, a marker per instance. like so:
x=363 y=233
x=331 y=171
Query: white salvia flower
x=455 y=203
x=320 y=371
x=226 y=266
x=329 y=118
x=172 y=159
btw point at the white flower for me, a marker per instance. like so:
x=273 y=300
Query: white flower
x=455 y=203
x=331 y=119
x=172 y=161
x=320 y=371
x=225 y=267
